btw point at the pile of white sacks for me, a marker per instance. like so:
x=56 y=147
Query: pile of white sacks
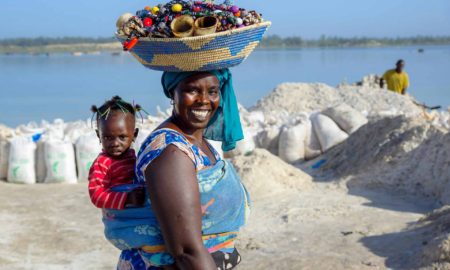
x=298 y=137
x=55 y=152
x=61 y=152
x=296 y=122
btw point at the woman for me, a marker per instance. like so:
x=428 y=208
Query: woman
x=197 y=199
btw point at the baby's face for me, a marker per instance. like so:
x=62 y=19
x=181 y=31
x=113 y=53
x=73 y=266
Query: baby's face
x=116 y=133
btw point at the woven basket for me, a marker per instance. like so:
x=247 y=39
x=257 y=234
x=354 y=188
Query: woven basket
x=201 y=53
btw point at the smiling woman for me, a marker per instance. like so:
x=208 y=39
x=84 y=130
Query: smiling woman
x=195 y=101
x=196 y=202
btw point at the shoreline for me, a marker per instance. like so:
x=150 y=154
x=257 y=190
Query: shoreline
x=115 y=47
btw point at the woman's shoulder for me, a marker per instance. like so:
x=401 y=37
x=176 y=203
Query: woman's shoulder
x=158 y=141
x=161 y=138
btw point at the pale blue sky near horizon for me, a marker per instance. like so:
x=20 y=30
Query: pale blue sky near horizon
x=308 y=19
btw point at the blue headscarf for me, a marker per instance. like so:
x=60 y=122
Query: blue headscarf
x=225 y=125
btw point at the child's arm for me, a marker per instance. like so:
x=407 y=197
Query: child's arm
x=99 y=191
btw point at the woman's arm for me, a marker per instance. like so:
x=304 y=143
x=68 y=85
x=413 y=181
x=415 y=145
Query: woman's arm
x=173 y=189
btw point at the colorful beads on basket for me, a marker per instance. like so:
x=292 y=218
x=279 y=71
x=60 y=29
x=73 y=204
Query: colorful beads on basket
x=156 y=21
x=148 y=22
x=177 y=8
x=155 y=10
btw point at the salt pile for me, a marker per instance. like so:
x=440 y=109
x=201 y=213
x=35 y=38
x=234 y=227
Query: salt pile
x=435 y=231
x=265 y=174
x=403 y=150
x=296 y=122
x=304 y=97
x=404 y=154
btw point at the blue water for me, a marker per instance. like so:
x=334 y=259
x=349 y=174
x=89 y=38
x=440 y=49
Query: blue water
x=64 y=86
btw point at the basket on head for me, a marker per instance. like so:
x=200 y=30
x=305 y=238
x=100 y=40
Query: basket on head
x=199 y=53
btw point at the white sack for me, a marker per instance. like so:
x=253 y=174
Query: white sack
x=5 y=132
x=4 y=159
x=244 y=146
x=73 y=131
x=60 y=162
x=291 y=145
x=312 y=144
x=268 y=139
x=327 y=131
x=254 y=118
x=87 y=148
x=28 y=130
x=347 y=118
x=41 y=169
x=21 y=161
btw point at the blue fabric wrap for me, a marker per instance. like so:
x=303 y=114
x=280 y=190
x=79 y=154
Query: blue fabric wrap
x=225 y=126
x=136 y=227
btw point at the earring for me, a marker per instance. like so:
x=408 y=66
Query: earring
x=172 y=102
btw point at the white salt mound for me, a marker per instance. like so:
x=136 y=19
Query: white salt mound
x=264 y=174
x=435 y=239
x=403 y=154
x=307 y=97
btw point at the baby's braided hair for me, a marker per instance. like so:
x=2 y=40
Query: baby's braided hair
x=116 y=103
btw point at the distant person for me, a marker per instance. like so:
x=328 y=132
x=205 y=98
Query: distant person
x=114 y=166
x=397 y=79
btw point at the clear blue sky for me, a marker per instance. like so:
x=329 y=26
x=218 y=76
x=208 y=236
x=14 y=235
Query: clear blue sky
x=308 y=19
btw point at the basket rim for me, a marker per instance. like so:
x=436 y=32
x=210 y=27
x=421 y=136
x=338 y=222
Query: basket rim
x=195 y=38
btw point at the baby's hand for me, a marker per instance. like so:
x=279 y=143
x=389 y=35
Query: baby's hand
x=136 y=198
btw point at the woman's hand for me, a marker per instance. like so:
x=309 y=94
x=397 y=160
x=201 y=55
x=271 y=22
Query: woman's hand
x=173 y=189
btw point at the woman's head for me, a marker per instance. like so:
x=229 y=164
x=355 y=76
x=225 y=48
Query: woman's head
x=116 y=125
x=217 y=96
x=195 y=100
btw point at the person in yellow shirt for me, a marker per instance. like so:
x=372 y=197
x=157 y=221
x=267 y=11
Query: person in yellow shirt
x=397 y=80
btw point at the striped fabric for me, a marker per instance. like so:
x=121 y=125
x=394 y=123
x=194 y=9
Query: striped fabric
x=106 y=173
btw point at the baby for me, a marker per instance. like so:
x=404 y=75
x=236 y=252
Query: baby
x=114 y=166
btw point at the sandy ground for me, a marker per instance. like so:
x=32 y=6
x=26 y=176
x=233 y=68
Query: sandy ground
x=323 y=227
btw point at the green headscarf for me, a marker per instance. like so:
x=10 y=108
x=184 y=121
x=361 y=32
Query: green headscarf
x=225 y=125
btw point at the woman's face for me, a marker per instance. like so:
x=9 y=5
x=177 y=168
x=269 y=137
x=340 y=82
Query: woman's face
x=196 y=100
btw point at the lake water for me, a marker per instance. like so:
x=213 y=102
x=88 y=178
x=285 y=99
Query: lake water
x=64 y=86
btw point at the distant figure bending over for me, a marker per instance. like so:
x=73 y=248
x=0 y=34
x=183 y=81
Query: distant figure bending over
x=397 y=80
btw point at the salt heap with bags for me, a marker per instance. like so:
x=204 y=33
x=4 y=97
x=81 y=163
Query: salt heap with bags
x=296 y=122
x=301 y=121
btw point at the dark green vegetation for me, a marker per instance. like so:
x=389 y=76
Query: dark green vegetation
x=58 y=45
x=82 y=44
x=275 y=41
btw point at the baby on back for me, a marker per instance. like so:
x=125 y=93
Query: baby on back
x=114 y=166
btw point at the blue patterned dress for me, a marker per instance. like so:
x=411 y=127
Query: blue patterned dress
x=153 y=146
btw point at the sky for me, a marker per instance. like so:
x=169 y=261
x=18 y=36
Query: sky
x=308 y=19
